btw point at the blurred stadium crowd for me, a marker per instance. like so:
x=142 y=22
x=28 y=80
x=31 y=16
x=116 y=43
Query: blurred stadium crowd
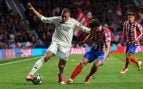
x=14 y=32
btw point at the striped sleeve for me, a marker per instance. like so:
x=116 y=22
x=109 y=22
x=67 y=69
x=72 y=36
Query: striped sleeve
x=108 y=35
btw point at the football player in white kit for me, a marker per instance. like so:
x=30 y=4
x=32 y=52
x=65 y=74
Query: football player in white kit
x=61 y=40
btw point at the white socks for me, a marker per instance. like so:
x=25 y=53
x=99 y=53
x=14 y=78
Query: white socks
x=37 y=66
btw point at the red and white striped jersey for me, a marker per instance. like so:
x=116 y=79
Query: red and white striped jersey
x=131 y=32
x=100 y=39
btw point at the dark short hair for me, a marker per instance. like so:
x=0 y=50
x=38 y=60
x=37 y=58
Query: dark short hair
x=65 y=10
x=94 y=23
x=131 y=14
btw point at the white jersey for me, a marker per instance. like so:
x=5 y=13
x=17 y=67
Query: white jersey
x=64 y=31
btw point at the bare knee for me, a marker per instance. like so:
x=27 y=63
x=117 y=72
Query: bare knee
x=97 y=63
x=129 y=55
x=47 y=56
x=61 y=66
x=83 y=63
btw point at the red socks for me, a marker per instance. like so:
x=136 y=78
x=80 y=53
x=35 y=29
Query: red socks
x=133 y=59
x=76 y=71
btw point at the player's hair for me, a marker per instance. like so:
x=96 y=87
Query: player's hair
x=65 y=10
x=94 y=23
x=131 y=13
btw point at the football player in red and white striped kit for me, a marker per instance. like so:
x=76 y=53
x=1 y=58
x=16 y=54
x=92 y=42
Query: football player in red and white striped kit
x=100 y=38
x=132 y=33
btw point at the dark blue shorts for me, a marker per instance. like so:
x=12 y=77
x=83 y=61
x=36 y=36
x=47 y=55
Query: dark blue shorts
x=131 y=48
x=94 y=54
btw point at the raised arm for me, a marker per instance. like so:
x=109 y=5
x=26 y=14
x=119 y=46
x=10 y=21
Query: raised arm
x=36 y=13
x=40 y=16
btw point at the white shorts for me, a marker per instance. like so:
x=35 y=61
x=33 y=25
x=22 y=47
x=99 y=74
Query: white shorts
x=63 y=50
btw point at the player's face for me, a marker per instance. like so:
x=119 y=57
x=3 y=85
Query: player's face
x=65 y=16
x=131 y=18
x=98 y=29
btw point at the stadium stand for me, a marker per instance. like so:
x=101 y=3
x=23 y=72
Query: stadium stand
x=14 y=32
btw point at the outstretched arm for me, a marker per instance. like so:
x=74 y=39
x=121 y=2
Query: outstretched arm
x=40 y=16
x=82 y=27
x=36 y=13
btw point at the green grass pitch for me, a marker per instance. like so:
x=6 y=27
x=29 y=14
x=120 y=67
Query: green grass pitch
x=13 y=73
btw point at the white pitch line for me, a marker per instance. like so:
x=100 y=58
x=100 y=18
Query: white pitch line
x=23 y=60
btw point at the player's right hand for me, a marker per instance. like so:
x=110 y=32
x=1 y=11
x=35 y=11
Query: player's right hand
x=29 y=6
